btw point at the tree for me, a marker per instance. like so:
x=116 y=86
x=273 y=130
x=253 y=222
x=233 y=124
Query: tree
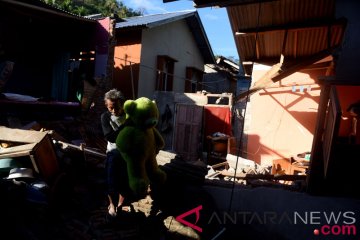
x=88 y=7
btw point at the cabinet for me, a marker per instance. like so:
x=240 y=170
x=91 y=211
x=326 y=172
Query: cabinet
x=34 y=146
x=219 y=147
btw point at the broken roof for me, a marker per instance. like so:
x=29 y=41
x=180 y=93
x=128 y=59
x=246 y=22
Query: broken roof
x=270 y=31
x=192 y=19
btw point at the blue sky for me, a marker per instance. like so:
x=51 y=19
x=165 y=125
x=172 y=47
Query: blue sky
x=215 y=21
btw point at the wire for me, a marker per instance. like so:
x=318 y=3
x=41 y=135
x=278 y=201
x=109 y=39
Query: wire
x=206 y=84
x=246 y=101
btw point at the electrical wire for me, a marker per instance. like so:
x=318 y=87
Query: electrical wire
x=206 y=84
x=246 y=101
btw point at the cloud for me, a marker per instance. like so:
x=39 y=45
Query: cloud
x=211 y=17
x=148 y=5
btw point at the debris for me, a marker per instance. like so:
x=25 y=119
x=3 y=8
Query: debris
x=82 y=148
x=36 y=146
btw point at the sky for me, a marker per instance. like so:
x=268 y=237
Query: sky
x=215 y=21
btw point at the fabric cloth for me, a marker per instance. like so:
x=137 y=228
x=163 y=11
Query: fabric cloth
x=217 y=119
x=111 y=127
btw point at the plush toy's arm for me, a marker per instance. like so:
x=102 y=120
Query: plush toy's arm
x=159 y=141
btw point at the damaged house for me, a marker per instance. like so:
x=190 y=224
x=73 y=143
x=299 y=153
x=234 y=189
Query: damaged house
x=147 y=57
x=294 y=113
x=47 y=55
x=299 y=59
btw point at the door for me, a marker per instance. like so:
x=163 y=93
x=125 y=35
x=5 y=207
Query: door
x=331 y=127
x=188 y=131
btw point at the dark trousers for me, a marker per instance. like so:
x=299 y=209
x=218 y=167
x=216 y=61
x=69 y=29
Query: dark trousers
x=116 y=176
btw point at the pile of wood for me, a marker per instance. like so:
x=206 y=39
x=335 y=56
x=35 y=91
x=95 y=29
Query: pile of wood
x=247 y=172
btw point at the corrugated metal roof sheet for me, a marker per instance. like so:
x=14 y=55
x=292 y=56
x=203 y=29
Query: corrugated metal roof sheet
x=154 y=20
x=310 y=25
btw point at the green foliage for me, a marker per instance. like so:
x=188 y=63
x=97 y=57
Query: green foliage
x=88 y=7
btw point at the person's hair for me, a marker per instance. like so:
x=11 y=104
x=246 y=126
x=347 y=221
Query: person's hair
x=114 y=95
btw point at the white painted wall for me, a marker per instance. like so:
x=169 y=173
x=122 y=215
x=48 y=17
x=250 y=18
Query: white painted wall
x=175 y=40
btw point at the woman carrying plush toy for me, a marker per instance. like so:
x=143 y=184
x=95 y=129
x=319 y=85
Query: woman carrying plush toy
x=116 y=172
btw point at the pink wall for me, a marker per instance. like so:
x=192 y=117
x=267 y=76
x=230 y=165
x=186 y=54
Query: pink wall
x=282 y=122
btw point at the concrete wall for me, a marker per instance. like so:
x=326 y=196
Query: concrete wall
x=216 y=81
x=280 y=122
x=174 y=40
x=269 y=213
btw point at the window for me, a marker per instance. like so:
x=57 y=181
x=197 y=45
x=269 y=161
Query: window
x=165 y=73
x=193 y=80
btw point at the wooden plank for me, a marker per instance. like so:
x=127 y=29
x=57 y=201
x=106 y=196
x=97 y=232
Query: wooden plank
x=263 y=176
x=15 y=154
x=82 y=149
x=19 y=135
x=46 y=160
x=302 y=64
x=188 y=122
x=16 y=150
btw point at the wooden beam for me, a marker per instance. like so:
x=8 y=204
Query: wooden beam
x=282 y=57
x=278 y=72
x=304 y=63
x=262 y=83
x=295 y=43
x=264 y=176
x=257 y=48
x=330 y=69
x=284 y=42
x=294 y=27
x=322 y=65
x=316 y=168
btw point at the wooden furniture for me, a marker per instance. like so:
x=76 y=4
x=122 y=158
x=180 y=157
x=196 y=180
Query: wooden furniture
x=288 y=167
x=217 y=149
x=35 y=145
